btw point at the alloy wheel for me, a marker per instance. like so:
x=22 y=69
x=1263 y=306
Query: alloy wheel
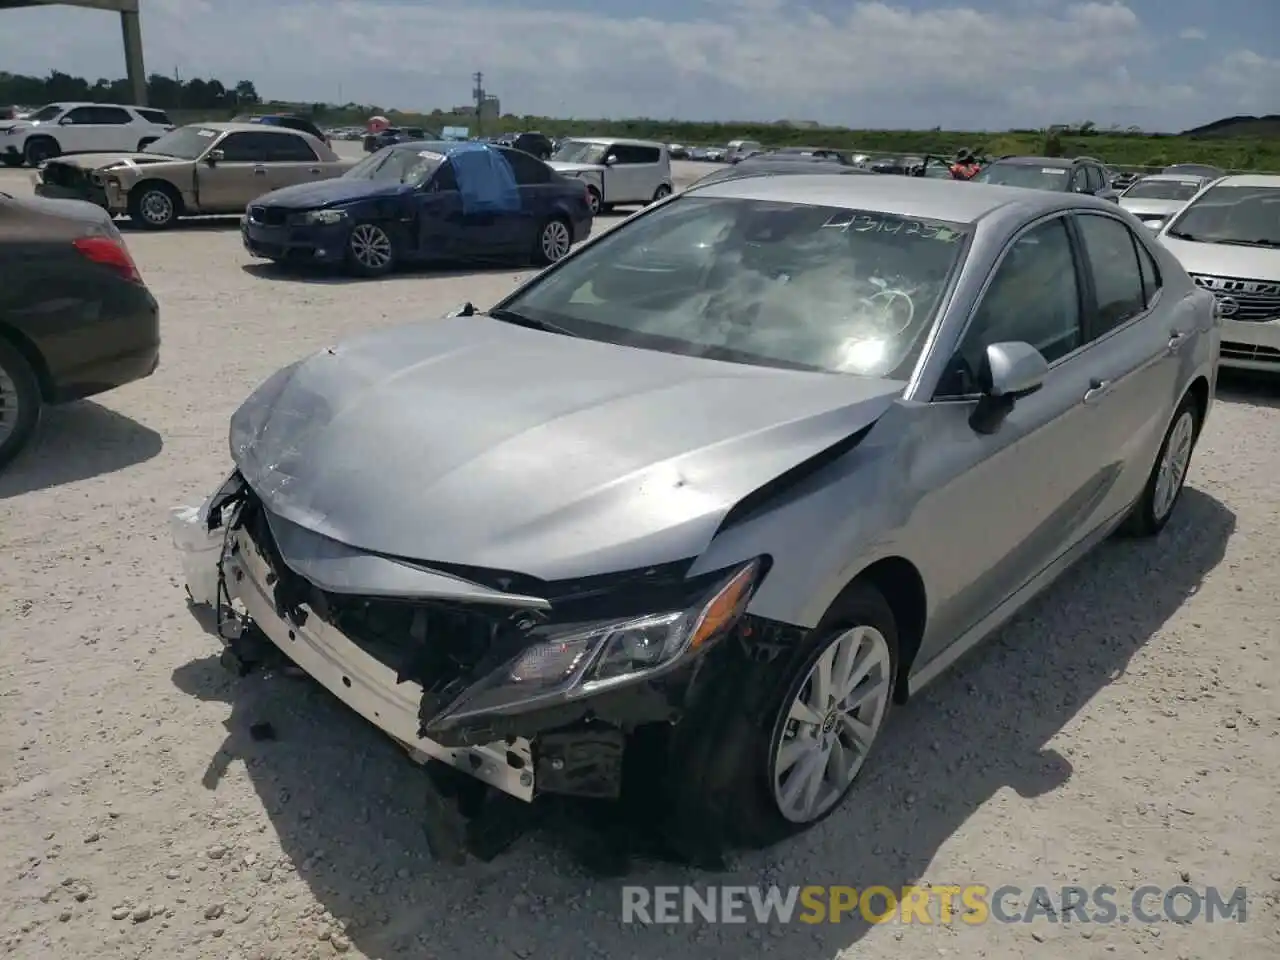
x=555 y=241
x=831 y=724
x=1173 y=465
x=157 y=207
x=371 y=247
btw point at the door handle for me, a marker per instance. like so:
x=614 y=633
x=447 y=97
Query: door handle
x=315 y=170
x=1097 y=390
x=1176 y=340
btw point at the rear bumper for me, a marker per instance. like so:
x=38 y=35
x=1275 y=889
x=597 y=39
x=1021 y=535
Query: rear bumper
x=311 y=244
x=1251 y=346
x=129 y=351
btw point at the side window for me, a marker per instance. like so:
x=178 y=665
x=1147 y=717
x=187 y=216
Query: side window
x=1097 y=179
x=1151 y=279
x=246 y=147
x=643 y=154
x=445 y=178
x=1033 y=297
x=111 y=115
x=155 y=116
x=1079 y=180
x=528 y=169
x=80 y=115
x=289 y=149
x=1112 y=256
x=628 y=154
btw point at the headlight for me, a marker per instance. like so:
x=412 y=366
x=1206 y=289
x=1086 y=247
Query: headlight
x=579 y=661
x=327 y=217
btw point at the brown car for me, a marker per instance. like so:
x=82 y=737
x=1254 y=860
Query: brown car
x=199 y=169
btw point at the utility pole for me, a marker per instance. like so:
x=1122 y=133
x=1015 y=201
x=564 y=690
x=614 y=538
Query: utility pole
x=478 y=94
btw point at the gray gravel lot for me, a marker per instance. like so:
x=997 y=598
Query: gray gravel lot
x=1125 y=731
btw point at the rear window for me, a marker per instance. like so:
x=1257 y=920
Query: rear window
x=1024 y=175
x=155 y=116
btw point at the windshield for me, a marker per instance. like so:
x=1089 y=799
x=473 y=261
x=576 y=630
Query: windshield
x=768 y=283
x=580 y=151
x=1024 y=175
x=187 y=143
x=46 y=113
x=1163 y=190
x=1241 y=215
x=396 y=165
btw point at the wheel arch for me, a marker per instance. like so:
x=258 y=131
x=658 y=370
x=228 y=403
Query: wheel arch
x=31 y=353
x=899 y=581
x=1199 y=389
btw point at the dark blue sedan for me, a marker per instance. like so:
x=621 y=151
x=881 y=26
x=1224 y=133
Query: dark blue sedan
x=430 y=200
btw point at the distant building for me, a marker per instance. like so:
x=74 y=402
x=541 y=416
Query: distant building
x=490 y=109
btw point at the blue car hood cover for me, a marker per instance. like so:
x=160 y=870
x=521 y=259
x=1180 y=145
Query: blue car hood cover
x=325 y=193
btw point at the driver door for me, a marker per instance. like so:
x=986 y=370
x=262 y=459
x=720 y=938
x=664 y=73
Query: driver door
x=439 y=215
x=239 y=178
x=1005 y=505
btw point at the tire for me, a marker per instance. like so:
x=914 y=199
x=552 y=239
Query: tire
x=371 y=250
x=1157 y=503
x=661 y=193
x=39 y=149
x=726 y=775
x=154 y=206
x=555 y=238
x=593 y=201
x=18 y=386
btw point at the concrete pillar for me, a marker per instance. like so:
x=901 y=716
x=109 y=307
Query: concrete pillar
x=132 y=30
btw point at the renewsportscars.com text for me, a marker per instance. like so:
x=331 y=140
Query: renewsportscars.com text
x=972 y=904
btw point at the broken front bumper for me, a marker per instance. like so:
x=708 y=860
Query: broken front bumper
x=363 y=683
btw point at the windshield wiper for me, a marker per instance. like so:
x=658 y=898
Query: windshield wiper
x=520 y=320
x=1179 y=235
x=1261 y=242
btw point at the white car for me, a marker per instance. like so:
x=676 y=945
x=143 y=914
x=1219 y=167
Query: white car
x=617 y=172
x=60 y=128
x=1228 y=239
x=1156 y=198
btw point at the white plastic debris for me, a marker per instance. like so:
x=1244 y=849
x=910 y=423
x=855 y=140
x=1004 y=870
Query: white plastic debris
x=200 y=549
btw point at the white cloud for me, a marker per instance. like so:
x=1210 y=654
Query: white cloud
x=875 y=64
x=1193 y=33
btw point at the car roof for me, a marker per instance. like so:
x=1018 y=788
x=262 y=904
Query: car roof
x=625 y=141
x=1249 y=180
x=1038 y=161
x=230 y=126
x=71 y=104
x=934 y=199
x=1170 y=177
x=445 y=147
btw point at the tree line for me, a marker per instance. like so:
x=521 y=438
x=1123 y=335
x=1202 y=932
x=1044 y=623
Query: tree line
x=167 y=93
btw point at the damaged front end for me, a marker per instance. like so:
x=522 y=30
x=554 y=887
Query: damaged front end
x=532 y=691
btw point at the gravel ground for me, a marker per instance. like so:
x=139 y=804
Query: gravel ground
x=1125 y=731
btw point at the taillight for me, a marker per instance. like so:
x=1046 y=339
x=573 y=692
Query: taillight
x=111 y=253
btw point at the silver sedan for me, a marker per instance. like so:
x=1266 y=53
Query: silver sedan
x=740 y=473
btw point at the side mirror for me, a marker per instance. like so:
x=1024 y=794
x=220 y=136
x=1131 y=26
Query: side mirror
x=66 y=121
x=214 y=157
x=610 y=160
x=1010 y=371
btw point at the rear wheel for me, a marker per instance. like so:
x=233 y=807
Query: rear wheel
x=40 y=149
x=661 y=193
x=554 y=241
x=19 y=401
x=154 y=206
x=1168 y=475
x=371 y=251
x=781 y=747
x=593 y=201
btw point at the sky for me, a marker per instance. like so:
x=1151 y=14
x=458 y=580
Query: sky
x=906 y=64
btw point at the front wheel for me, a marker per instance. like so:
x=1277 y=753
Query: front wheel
x=593 y=201
x=781 y=748
x=153 y=206
x=19 y=402
x=370 y=250
x=40 y=149
x=661 y=193
x=1168 y=475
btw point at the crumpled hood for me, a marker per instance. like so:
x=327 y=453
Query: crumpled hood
x=475 y=442
x=326 y=193
x=97 y=161
x=560 y=166
x=1225 y=260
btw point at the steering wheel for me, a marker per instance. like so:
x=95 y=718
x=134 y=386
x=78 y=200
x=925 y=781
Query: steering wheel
x=892 y=308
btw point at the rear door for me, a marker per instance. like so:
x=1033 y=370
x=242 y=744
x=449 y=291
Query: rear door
x=536 y=192
x=1134 y=353
x=291 y=160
